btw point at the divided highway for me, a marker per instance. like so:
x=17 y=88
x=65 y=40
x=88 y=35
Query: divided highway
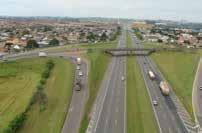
x=108 y=115
x=166 y=113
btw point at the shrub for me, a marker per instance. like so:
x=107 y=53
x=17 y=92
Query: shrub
x=16 y=123
x=39 y=86
x=42 y=81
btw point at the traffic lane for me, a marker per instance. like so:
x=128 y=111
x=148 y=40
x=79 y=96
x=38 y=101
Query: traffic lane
x=119 y=111
x=161 y=110
x=199 y=95
x=74 y=116
x=169 y=100
x=116 y=124
x=103 y=91
x=103 y=121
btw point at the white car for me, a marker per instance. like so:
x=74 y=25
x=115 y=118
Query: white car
x=80 y=73
x=122 y=78
x=155 y=102
x=42 y=54
x=78 y=68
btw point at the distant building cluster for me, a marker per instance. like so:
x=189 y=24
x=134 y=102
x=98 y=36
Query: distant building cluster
x=164 y=33
x=17 y=35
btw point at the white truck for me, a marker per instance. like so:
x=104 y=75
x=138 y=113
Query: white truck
x=151 y=75
x=42 y=54
x=164 y=88
x=78 y=60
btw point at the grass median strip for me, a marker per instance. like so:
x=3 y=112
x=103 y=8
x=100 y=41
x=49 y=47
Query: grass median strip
x=140 y=116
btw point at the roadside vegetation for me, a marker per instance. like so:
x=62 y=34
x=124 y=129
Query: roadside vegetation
x=34 y=94
x=179 y=70
x=138 y=33
x=98 y=66
x=18 y=81
x=140 y=117
x=49 y=117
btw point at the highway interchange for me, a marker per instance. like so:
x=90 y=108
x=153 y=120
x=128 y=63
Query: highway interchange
x=108 y=114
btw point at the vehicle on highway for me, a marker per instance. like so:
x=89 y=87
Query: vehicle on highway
x=122 y=78
x=80 y=73
x=151 y=75
x=78 y=60
x=78 y=68
x=155 y=103
x=164 y=88
x=78 y=85
x=42 y=54
x=200 y=87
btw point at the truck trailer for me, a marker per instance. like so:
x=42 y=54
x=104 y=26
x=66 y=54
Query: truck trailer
x=164 y=88
x=78 y=60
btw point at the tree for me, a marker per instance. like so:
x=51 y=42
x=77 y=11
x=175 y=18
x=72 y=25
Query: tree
x=54 y=42
x=32 y=44
x=118 y=30
x=91 y=36
x=103 y=37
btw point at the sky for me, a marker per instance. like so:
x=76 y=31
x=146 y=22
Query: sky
x=137 y=9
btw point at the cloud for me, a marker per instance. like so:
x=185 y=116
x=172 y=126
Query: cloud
x=164 y=9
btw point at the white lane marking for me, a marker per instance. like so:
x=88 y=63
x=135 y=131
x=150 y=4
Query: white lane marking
x=115 y=122
x=170 y=131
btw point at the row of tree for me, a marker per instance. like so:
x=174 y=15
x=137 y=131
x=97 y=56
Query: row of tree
x=31 y=44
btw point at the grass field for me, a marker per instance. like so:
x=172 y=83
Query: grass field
x=140 y=117
x=18 y=80
x=179 y=70
x=98 y=65
x=58 y=90
x=128 y=40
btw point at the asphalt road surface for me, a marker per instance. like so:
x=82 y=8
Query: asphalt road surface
x=165 y=113
x=108 y=115
x=74 y=116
